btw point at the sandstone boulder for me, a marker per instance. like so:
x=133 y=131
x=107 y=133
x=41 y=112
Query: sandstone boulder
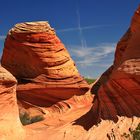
x=42 y=65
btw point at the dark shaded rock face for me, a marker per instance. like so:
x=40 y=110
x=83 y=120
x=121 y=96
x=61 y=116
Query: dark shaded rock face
x=37 y=58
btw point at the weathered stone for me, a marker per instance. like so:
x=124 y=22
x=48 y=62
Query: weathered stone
x=118 y=89
x=44 y=69
x=111 y=112
x=10 y=125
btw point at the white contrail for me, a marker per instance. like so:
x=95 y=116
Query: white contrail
x=79 y=28
x=84 y=28
x=67 y=29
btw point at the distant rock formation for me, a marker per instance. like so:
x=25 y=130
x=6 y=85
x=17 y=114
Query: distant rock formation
x=42 y=65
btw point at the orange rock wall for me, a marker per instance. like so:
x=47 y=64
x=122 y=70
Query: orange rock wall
x=118 y=89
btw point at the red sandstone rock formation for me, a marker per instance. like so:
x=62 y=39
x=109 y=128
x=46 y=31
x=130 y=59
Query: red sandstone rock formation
x=10 y=125
x=44 y=69
x=117 y=92
x=118 y=89
x=56 y=125
x=115 y=101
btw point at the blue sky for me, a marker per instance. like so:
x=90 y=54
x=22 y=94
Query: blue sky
x=89 y=29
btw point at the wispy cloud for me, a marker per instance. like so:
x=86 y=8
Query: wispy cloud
x=90 y=55
x=84 y=28
x=2 y=37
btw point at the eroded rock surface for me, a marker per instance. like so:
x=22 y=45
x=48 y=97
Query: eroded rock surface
x=10 y=125
x=118 y=89
x=111 y=112
x=44 y=69
x=116 y=101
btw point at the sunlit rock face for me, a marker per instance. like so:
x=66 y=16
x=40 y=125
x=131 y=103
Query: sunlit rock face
x=10 y=125
x=44 y=69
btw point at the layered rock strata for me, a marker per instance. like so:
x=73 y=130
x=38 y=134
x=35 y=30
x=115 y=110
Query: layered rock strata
x=118 y=89
x=112 y=112
x=44 y=69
